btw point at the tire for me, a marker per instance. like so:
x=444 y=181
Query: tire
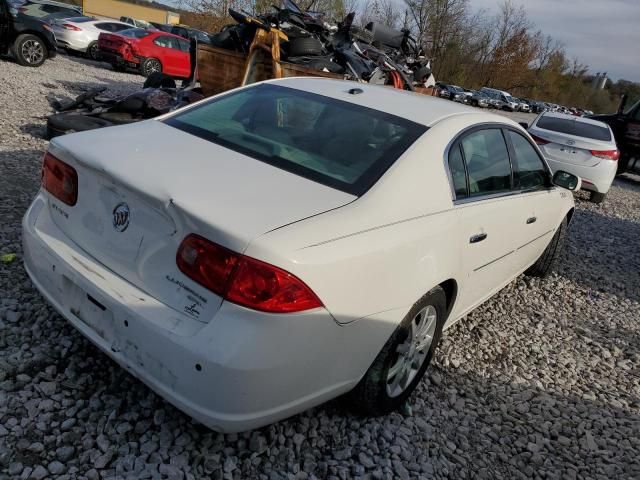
x=546 y=263
x=374 y=395
x=29 y=50
x=302 y=46
x=149 y=66
x=93 y=52
x=596 y=197
x=63 y=123
x=623 y=164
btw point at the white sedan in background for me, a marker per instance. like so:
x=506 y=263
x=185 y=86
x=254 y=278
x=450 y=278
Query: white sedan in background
x=584 y=147
x=80 y=34
x=281 y=244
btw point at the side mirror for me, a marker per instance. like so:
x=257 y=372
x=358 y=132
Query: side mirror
x=567 y=180
x=524 y=125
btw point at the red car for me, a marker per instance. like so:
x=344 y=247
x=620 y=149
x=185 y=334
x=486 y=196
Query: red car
x=147 y=51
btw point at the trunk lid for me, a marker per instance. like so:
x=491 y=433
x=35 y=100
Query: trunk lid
x=142 y=188
x=112 y=42
x=570 y=149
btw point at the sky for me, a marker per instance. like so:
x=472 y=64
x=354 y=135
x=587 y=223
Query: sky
x=604 y=34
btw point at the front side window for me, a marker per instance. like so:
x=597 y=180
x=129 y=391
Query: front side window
x=528 y=169
x=487 y=159
x=335 y=143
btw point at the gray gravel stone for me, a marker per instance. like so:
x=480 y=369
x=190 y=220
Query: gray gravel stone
x=541 y=381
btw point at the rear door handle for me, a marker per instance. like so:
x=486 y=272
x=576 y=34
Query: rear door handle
x=478 y=238
x=531 y=220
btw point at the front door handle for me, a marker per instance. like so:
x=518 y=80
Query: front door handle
x=478 y=238
x=531 y=220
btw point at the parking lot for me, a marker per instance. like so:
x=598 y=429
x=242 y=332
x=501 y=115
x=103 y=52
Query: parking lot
x=542 y=381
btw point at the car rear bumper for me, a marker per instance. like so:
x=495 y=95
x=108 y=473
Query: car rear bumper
x=597 y=178
x=242 y=370
x=115 y=58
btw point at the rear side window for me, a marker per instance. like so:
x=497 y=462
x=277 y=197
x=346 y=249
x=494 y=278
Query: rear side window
x=335 y=143
x=458 y=173
x=528 y=169
x=487 y=159
x=574 y=127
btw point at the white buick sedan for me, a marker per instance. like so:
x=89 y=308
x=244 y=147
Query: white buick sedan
x=276 y=246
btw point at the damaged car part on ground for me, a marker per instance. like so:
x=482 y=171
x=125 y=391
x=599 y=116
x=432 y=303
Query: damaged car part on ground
x=277 y=265
x=91 y=110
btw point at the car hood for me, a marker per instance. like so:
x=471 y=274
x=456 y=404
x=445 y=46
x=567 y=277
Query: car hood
x=222 y=194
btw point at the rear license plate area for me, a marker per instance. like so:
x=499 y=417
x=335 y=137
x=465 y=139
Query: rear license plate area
x=88 y=309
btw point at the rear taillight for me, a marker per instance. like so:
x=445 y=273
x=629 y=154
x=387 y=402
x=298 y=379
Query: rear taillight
x=538 y=140
x=60 y=179
x=606 y=154
x=243 y=280
x=68 y=26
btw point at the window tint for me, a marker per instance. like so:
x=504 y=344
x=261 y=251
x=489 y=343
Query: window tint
x=117 y=27
x=107 y=27
x=134 y=32
x=487 y=159
x=335 y=143
x=573 y=126
x=458 y=174
x=184 y=44
x=528 y=169
x=636 y=114
x=163 y=41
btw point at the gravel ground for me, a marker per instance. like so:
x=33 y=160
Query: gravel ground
x=543 y=381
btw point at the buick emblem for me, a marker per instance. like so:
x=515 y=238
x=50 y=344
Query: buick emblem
x=121 y=217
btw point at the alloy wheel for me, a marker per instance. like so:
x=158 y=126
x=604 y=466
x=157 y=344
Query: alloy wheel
x=152 y=66
x=93 y=51
x=32 y=51
x=412 y=353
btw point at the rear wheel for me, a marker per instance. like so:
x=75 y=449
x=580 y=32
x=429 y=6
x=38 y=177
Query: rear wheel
x=29 y=50
x=149 y=66
x=93 y=52
x=545 y=264
x=401 y=363
x=597 y=197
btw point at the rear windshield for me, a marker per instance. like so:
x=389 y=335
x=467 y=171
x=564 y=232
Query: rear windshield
x=574 y=127
x=134 y=32
x=335 y=143
x=80 y=19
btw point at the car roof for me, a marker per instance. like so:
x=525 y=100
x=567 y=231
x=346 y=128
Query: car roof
x=418 y=108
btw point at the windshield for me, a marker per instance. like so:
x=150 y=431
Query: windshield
x=335 y=143
x=575 y=127
x=134 y=33
x=510 y=99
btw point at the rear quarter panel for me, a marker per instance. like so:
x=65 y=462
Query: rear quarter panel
x=384 y=250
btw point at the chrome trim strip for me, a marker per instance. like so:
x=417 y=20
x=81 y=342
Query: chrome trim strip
x=493 y=195
x=537 y=238
x=493 y=261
